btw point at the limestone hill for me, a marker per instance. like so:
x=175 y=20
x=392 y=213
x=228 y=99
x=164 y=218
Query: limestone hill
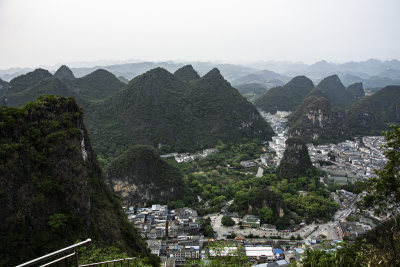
x=159 y=109
x=139 y=176
x=287 y=97
x=52 y=189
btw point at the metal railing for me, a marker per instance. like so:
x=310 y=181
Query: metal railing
x=106 y=263
x=55 y=262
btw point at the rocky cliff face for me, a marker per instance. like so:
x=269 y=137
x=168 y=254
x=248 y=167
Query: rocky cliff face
x=296 y=160
x=274 y=202
x=316 y=122
x=141 y=177
x=52 y=189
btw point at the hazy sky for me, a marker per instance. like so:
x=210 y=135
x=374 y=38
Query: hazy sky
x=46 y=32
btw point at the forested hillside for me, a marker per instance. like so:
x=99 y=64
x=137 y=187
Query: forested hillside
x=53 y=191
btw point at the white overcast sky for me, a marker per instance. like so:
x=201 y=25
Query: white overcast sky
x=47 y=32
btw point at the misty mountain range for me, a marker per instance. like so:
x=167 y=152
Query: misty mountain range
x=374 y=74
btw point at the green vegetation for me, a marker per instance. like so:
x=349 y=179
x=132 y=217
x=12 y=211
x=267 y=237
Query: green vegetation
x=46 y=86
x=295 y=162
x=312 y=206
x=378 y=247
x=142 y=167
x=187 y=73
x=227 y=221
x=215 y=183
x=286 y=97
x=252 y=90
x=96 y=253
x=266 y=215
x=64 y=74
x=372 y=114
x=316 y=122
x=97 y=85
x=384 y=191
x=160 y=110
x=355 y=188
x=331 y=113
x=3 y=87
x=336 y=93
x=231 y=236
x=355 y=91
x=52 y=193
x=363 y=119
x=206 y=227
x=263 y=77
x=25 y=81
x=92 y=87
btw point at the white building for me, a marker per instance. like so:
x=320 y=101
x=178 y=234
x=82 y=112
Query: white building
x=260 y=252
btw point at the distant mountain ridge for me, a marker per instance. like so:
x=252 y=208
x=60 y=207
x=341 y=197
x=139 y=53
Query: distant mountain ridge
x=94 y=86
x=262 y=77
x=22 y=82
x=46 y=86
x=253 y=90
x=286 y=97
x=97 y=85
x=372 y=73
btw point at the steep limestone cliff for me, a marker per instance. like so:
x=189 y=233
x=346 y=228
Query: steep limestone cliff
x=52 y=190
x=296 y=160
x=316 y=122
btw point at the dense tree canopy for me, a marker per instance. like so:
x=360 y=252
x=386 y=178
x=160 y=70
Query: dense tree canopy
x=227 y=221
